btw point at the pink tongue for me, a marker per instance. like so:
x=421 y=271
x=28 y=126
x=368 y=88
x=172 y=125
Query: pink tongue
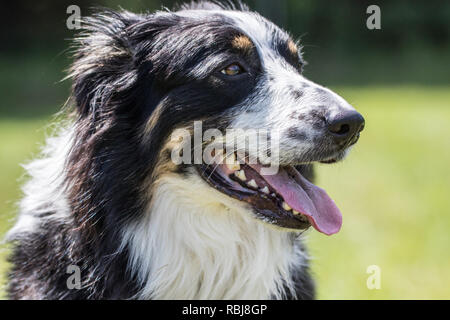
x=306 y=198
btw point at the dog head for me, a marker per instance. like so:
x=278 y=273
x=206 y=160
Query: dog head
x=140 y=78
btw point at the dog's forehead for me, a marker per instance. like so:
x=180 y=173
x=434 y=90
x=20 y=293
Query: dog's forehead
x=265 y=35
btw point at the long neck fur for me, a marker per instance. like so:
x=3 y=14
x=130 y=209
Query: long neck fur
x=192 y=242
x=190 y=246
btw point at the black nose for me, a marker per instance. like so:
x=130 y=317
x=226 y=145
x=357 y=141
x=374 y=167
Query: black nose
x=345 y=126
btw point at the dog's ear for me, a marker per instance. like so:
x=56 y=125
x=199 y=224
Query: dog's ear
x=103 y=60
x=111 y=56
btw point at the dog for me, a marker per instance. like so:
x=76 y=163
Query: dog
x=107 y=198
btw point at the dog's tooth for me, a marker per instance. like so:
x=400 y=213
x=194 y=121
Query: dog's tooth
x=234 y=166
x=241 y=175
x=231 y=163
x=252 y=183
x=295 y=212
x=286 y=206
x=273 y=194
x=265 y=190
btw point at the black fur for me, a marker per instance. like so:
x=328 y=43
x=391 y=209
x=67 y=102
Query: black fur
x=128 y=69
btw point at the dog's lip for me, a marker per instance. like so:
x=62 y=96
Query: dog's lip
x=289 y=200
x=334 y=157
x=329 y=161
x=340 y=153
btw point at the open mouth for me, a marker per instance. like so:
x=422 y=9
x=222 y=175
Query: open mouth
x=286 y=199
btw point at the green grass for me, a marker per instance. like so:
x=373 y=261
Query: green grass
x=19 y=142
x=393 y=192
x=392 y=189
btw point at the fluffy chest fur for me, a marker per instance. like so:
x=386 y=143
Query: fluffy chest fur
x=190 y=246
x=192 y=242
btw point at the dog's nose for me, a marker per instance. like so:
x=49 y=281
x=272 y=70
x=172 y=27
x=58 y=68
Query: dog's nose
x=345 y=126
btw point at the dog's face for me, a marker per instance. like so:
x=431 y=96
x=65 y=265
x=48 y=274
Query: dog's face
x=236 y=70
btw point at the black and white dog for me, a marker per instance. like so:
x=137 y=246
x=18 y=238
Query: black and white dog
x=106 y=195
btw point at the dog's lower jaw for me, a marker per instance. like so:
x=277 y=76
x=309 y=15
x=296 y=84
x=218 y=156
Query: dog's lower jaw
x=196 y=243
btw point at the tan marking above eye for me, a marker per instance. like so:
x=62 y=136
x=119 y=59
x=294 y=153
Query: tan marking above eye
x=292 y=47
x=242 y=42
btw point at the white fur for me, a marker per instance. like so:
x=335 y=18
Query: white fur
x=193 y=243
x=197 y=243
x=271 y=106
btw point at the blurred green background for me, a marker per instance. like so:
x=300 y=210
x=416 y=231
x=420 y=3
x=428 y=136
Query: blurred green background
x=394 y=187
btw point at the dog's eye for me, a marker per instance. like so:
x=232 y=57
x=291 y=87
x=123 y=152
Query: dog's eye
x=232 y=70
